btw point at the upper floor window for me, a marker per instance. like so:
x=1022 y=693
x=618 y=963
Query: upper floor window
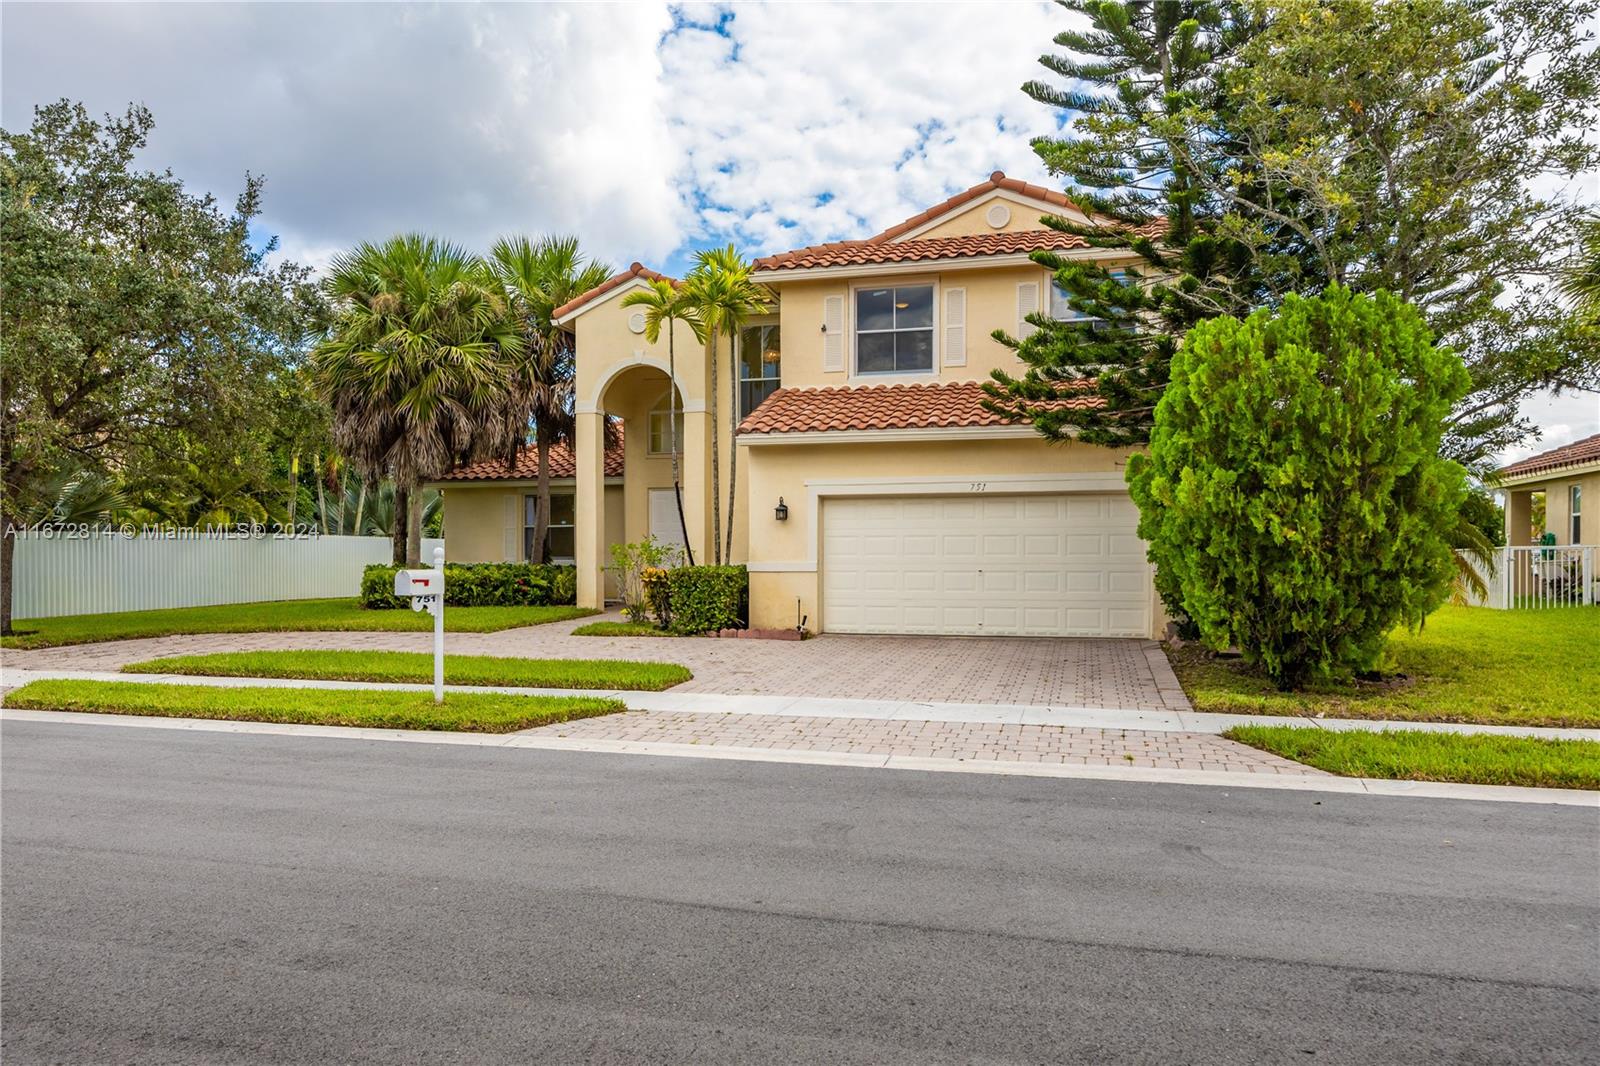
x=760 y=357
x=662 y=432
x=894 y=330
x=1063 y=311
x=1575 y=499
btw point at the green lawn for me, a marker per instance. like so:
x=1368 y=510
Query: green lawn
x=1414 y=756
x=418 y=666
x=1469 y=664
x=273 y=617
x=620 y=629
x=472 y=712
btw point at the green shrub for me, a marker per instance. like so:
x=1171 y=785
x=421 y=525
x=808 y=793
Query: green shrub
x=704 y=598
x=630 y=562
x=1293 y=496
x=481 y=585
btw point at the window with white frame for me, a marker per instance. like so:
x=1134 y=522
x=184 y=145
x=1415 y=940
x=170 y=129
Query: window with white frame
x=1061 y=308
x=894 y=330
x=1575 y=499
x=661 y=435
x=760 y=359
x=561 y=543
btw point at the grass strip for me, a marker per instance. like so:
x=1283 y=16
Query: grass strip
x=278 y=616
x=469 y=712
x=1412 y=755
x=620 y=629
x=418 y=666
x=1468 y=664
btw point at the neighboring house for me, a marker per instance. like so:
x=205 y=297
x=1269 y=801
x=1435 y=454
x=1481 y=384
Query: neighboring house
x=874 y=493
x=1568 y=477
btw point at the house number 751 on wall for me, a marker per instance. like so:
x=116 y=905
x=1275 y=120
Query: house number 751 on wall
x=978 y=486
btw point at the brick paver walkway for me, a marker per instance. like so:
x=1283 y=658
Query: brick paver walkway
x=1118 y=674
x=938 y=740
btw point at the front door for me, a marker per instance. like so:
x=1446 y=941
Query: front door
x=665 y=526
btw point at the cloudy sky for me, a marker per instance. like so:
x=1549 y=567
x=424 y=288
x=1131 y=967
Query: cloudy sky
x=649 y=130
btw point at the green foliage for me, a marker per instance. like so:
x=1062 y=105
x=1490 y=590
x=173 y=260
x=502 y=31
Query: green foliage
x=1139 y=76
x=707 y=598
x=478 y=585
x=139 y=323
x=1486 y=516
x=629 y=562
x=1293 y=497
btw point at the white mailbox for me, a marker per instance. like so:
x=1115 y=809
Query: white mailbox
x=418 y=582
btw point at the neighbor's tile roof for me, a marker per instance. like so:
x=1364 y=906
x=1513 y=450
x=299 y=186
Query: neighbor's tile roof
x=1586 y=450
x=526 y=468
x=635 y=270
x=844 y=407
x=854 y=253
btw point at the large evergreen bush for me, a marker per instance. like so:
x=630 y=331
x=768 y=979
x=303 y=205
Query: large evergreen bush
x=481 y=585
x=1293 y=496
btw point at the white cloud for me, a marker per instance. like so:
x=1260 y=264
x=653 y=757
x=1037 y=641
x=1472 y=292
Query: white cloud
x=810 y=122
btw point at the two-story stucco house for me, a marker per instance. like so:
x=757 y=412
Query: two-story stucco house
x=874 y=492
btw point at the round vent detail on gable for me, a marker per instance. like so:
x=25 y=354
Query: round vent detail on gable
x=998 y=215
x=636 y=322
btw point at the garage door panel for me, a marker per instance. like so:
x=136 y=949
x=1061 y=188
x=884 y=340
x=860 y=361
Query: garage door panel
x=1063 y=564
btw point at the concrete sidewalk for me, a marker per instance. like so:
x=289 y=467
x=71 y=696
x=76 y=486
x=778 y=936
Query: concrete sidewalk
x=704 y=703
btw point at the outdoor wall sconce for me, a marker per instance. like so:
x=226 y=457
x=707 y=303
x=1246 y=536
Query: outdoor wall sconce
x=782 y=510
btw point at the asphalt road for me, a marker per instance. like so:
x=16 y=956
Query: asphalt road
x=182 y=897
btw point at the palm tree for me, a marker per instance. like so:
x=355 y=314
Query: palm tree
x=724 y=297
x=414 y=366
x=535 y=278
x=663 y=302
x=1581 y=282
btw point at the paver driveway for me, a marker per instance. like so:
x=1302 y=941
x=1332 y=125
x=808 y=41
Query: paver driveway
x=1059 y=672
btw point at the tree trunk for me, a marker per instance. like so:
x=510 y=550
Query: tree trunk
x=672 y=433
x=541 y=510
x=294 y=486
x=8 y=559
x=414 y=528
x=322 y=495
x=733 y=432
x=716 y=466
x=402 y=510
x=361 y=506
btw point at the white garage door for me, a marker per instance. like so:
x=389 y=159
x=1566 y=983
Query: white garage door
x=1059 y=565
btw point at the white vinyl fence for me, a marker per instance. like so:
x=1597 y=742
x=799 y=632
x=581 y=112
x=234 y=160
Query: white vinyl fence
x=1557 y=575
x=96 y=573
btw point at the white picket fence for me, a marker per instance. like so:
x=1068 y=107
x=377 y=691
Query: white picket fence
x=96 y=573
x=1559 y=575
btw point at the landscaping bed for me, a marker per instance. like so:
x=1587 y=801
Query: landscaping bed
x=279 y=616
x=471 y=712
x=1469 y=664
x=1410 y=755
x=408 y=666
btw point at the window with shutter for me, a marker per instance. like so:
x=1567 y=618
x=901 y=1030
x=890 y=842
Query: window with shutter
x=1027 y=304
x=833 y=333
x=955 y=327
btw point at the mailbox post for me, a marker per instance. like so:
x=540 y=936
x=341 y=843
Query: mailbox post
x=426 y=589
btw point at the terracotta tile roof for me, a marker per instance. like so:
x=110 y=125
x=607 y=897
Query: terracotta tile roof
x=853 y=253
x=562 y=465
x=1586 y=450
x=843 y=407
x=635 y=270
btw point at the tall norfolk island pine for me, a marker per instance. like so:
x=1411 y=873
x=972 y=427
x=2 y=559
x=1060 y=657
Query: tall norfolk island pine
x=1293 y=496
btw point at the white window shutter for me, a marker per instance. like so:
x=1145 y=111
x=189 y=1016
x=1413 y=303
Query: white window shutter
x=955 y=327
x=1027 y=304
x=513 y=530
x=833 y=333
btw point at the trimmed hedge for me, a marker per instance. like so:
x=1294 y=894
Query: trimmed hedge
x=481 y=585
x=706 y=598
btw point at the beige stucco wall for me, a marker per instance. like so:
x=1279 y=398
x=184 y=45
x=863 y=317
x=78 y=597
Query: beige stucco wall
x=478 y=517
x=1557 y=508
x=1003 y=466
x=972 y=218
